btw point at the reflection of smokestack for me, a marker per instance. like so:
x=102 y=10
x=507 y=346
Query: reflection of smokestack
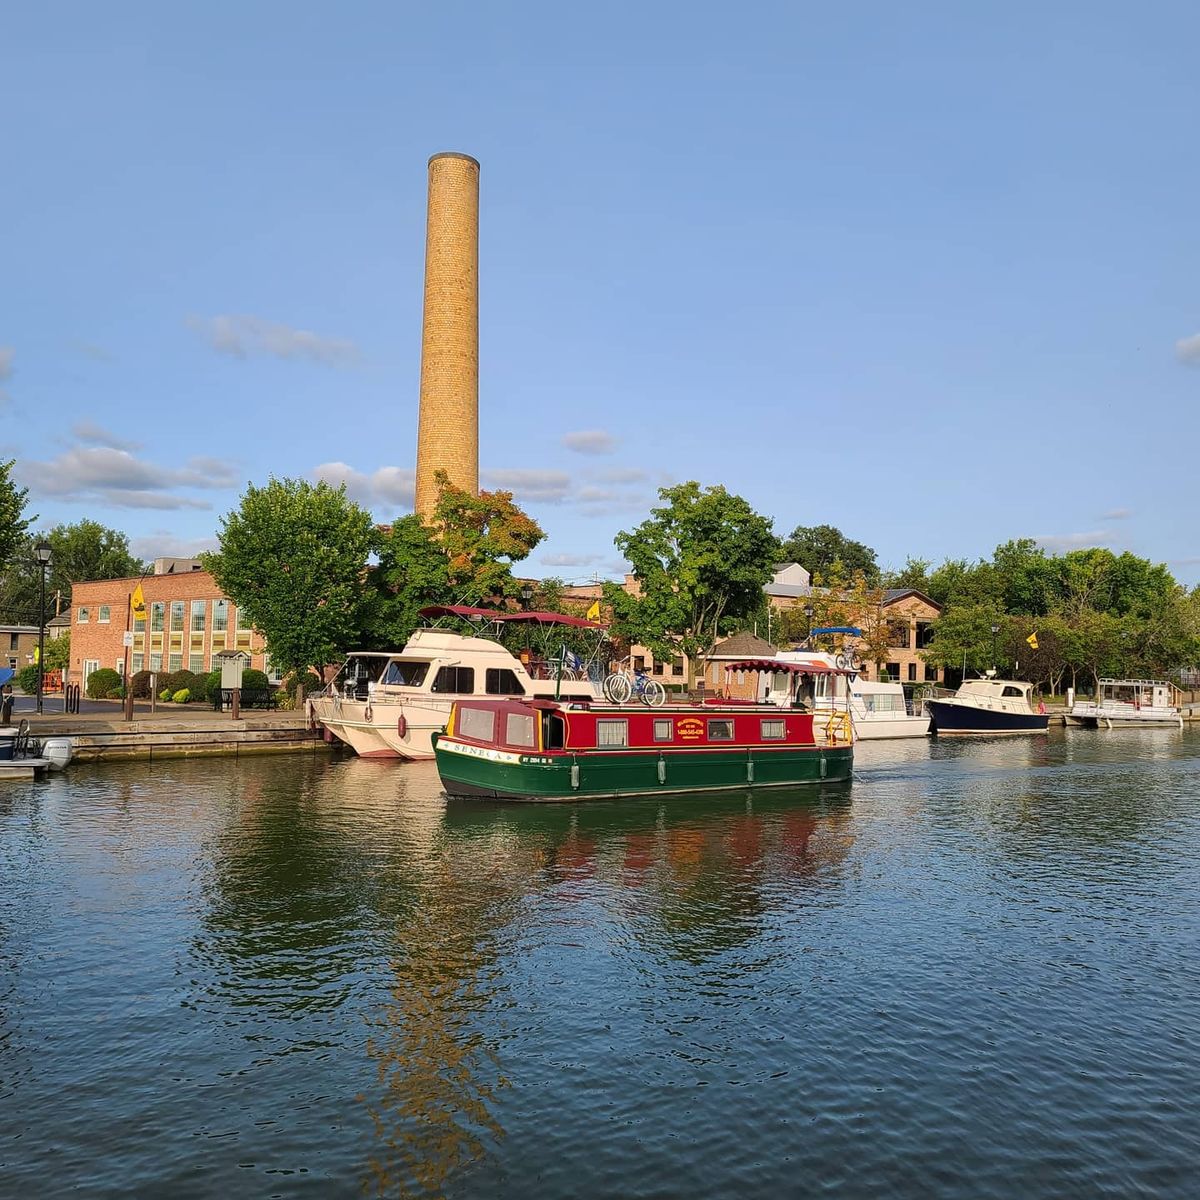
x=448 y=429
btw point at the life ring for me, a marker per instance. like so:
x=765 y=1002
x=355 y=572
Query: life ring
x=401 y=725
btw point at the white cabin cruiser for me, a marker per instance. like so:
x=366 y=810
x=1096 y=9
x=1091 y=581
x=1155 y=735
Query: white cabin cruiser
x=988 y=705
x=1129 y=704
x=388 y=704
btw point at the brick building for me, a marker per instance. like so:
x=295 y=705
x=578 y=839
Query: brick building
x=188 y=620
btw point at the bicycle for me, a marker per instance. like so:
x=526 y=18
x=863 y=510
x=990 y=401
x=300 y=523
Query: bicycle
x=621 y=686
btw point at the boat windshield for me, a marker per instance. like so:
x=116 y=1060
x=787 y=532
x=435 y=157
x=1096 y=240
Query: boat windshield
x=405 y=672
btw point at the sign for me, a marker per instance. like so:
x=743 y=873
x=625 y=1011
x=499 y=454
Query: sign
x=127 y=638
x=689 y=729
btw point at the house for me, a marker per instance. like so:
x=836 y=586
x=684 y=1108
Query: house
x=18 y=645
x=189 y=621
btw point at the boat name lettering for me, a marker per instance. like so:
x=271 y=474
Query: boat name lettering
x=690 y=728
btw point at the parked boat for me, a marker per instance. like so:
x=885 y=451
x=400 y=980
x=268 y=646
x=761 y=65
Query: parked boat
x=987 y=705
x=542 y=750
x=1129 y=703
x=388 y=704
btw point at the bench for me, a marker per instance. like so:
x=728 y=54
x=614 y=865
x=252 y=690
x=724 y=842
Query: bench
x=250 y=698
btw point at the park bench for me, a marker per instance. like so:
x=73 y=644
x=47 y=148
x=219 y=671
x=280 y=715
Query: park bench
x=251 y=698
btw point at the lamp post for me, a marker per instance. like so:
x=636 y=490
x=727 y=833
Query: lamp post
x=526 y=595
x=42 y=552
x=808 y=616
x=995 y=630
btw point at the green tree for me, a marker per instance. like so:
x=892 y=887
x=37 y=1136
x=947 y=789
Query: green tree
x=700 y=561
x=413 y=571
x=293 y=556
x=914 y=574
x=13 y=522
x=817 y=548
x=962 y=637
x=1028 y=580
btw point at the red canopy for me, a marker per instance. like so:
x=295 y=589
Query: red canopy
x=549 y=618
x=809 y=667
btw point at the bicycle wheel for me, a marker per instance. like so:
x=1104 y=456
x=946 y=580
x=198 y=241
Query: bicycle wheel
x=618 y=689
x=654 y=694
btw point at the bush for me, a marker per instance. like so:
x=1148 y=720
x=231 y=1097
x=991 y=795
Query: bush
x=255 y=679
x=182 y=696
x=209 y=686
x=165 y=695
x=103 y=684
x=139 y=681
x=27 y=679
x=178 y=680
x=311 y=682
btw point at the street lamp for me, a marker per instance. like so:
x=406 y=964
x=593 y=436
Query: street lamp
x=808 y=616
x=526 y=595
x=995 y=630
x=42 y=553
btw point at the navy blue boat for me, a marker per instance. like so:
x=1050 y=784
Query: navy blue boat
x=987 y=706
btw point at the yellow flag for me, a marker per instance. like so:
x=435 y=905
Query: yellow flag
x=137 y=602
x=37 y=654
x=1032 y=640
x=593 y=613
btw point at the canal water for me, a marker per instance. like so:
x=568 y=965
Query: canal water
x=973 y=972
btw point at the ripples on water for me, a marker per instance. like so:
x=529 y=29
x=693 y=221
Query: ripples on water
x=972 y=972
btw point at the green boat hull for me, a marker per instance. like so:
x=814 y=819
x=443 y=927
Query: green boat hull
x=472 y=771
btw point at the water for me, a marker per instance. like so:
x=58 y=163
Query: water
x=973 y=972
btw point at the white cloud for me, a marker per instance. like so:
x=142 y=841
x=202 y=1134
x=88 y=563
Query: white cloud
x=394 y=486
x=590 y=441
x=116 y=477
x=1118 y=514
x=6 y=358
x=1188 y=350
x=94 y=435
x=569 y=560
x=1073 y=541
x=532 y=484
x=162 y=543
x=242 y=336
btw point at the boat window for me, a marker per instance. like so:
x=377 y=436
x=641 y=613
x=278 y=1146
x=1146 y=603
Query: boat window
x=405 y=674
x=720 y=729
x=1012 y=691
x=518 y=730
x=773 y=730
x=459 y=680
x=500 y=681
x=477 y=723
x=612 y=733
x=553 y=729
x=663 y=730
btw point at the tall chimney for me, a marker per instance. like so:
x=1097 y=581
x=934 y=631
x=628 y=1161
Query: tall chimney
x=448 y=426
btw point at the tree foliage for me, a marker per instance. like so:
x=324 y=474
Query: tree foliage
x=293 y=556
x=13 y=522
x=823 y=549
x=700 y=561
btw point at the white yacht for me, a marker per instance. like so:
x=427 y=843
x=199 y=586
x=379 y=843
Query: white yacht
x=1128 y=703
x=388 y=704
x=988 y=705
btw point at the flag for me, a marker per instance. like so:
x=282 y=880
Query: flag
x=593 y=613
x=137 y=604
x=570 y=659
x=1032 y=640
x=37 y=655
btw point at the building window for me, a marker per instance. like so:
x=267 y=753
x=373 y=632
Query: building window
x=720 y=729
x=893 y=670
x=477 y=723
x=456 y=680
x=931 y=673
x=612 y=733
x=174 y=663
x=84 y=616
x=912 y=672
x=639 y=662
x=139 y=624
x=176 y=616
x=220 y=616
x=773 y=730
x=500 y=681
x=518 y=730
x=924 y=634
x=156 y=616
x=241 y=621
x=898 y=634
x=663 y=730
x=155 y=662
x=138 y=660
x=102 y=616
x=196 y=663
x=271 y=671
x=14 y=640
x=677 y=667
x=198 y=607
x=657 y=669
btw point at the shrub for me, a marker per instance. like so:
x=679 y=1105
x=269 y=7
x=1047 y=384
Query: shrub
x=140 y=683
x=210 y=685
x=255 y=679
x=311 y=682
x=103 y=683
x=165 y=695
x=27 y=679
x=182 y=696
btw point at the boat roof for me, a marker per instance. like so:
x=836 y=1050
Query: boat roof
x=434 y=611
x=1145 y=683
x=806 y=666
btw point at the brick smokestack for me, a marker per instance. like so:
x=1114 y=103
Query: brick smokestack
x=448 y=426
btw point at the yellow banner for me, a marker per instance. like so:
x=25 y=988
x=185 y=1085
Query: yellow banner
x=137 y=603
x=593 y=613
x=1032 y=640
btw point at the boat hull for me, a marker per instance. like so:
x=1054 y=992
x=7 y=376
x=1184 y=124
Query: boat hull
x=949 y=718
x=476 y=771
x=869 y=728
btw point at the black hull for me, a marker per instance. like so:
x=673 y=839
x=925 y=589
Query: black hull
x=949 y=718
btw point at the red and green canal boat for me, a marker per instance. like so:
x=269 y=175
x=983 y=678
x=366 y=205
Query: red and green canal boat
x=543 y=750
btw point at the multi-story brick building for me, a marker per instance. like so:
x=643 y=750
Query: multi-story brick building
x=188 y=619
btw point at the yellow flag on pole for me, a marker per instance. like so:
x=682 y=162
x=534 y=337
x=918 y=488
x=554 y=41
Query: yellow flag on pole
x=1032 y=640
x=137 y=604
x=593 y=613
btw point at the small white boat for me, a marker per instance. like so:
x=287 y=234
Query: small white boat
x=1129 y=704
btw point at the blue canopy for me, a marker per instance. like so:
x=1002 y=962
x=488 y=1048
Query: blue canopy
x=6 y=673
x=850 y=629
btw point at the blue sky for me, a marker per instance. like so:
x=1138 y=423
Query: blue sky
x=927 y=273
